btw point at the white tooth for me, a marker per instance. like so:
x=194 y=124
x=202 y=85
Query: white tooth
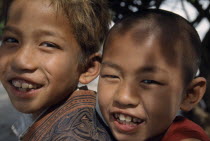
x=24 y=85
x=16 y=83
x=128 y=118
x=122 y=117
x=30 y=86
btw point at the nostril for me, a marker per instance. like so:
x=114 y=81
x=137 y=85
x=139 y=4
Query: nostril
x=19 y=66
x=123 y=105
x=125 y=98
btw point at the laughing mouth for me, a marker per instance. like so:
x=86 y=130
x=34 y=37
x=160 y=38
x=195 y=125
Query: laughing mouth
x=127 y=120
x=24 y=86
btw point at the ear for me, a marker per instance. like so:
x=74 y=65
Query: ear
x=92 y=71
x=194 y=93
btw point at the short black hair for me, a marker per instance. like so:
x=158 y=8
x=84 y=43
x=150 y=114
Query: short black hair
x=177 y=37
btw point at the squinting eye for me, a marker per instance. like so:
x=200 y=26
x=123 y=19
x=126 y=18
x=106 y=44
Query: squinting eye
x=48 y=44
x=109 y=76
x=151 y=82
x=10 y=40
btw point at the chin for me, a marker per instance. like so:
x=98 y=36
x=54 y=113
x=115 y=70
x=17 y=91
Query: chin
x=26 y=108
x=128 y=138
x=25 y=111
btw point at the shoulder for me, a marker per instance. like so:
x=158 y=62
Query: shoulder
x=186 y=130
x=82 y=98
x=82 y=124
x=74 y=119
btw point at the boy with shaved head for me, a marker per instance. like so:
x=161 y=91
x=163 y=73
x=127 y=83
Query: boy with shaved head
x=148 y=74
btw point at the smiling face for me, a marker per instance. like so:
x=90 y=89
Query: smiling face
x=139 y=91
x=38 y=56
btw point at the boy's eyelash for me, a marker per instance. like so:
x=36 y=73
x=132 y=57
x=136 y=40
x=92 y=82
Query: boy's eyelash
x=9 y=40
x=151 y=82
x=49 y=44
x=109 y=76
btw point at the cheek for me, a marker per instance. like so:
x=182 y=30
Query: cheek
x=5 y=66
x=104 y=96
x=163 y=104
x=62 y=67
x=3 y=61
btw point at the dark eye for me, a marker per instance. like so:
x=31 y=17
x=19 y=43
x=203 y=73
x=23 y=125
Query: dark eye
x=109 y=76
x=49 y=44
x=151 y=82
x=10 y=40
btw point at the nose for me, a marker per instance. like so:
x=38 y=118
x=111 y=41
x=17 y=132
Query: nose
x=126 y=96
x=24 y=60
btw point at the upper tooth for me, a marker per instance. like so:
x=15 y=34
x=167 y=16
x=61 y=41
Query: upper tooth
x=25 y=85
x=128 y=118
x=16 y=84
x=30 y=86
x=122 y=117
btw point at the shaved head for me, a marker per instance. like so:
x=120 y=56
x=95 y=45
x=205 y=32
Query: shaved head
x=178 y=39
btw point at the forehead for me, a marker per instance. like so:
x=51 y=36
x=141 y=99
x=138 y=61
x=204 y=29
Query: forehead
x=147 y=51
x=143 y=37
x=18 y=9
x=38 y=15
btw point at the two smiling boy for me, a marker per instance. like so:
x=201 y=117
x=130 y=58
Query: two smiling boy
x=47 y=50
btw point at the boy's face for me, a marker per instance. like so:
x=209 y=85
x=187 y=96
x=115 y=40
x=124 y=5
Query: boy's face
x=38 y=56
x=139 y=92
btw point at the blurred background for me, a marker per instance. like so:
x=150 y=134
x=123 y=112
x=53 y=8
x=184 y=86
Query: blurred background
x=197 y=12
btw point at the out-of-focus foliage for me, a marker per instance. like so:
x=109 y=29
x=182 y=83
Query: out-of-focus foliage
x=121 y=8
x=1 y=27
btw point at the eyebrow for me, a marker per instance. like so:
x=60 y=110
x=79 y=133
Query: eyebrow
x=11 y=29
x=144 y=69
x=151 y=69
x=46 y=33
x=112 y=65
x=40 y=32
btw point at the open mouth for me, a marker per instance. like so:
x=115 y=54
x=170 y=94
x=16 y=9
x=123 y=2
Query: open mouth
x=127 y=120
x=24 y=86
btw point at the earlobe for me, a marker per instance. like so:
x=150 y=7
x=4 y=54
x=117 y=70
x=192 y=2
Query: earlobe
x=194 y=93
x=93 y=69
